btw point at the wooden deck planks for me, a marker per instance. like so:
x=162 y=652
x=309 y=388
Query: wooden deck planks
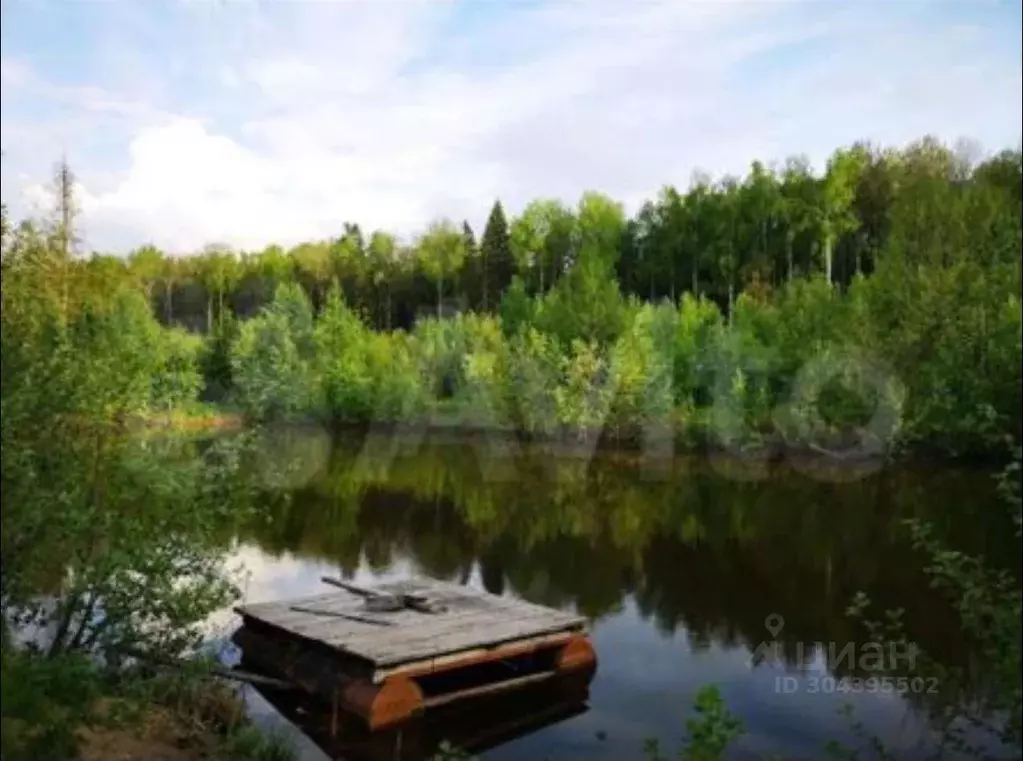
x=473 y=620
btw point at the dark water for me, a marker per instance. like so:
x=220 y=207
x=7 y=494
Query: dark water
x=677 y=569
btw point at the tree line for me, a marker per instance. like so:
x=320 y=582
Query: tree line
x=715 y=310
x=927 y=205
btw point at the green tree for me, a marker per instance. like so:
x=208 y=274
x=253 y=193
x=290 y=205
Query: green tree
x=441 y=251
x=341 y=340
x=497 y=257
x=350 y=267
x=797 y=210
x=383 y=256
x=724 y=214
x=173 y=271
x=646 y=246
x=836 y=206
x=473 y=277
x=700 y=231
x=147 y=267
x=272 y=362
x=540 y=241
x=600 y=226
x=759 y=205
x=314 y=267
x=586 y=304
x=218 y=271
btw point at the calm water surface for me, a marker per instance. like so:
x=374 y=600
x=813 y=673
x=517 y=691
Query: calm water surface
x=677 y=571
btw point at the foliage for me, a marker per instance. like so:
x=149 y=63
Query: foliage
x=215 y=361
x=698 y=328
x=534 y=371
x=807 y=300
x=585 y=305
x=441 y=252
x=990 y=610
x=495 y=251
x=340 y=341
x=177 y=380
x=517 y=309
x=641 y=368
x=582 y=399
x=708 y=734
x=44 y=702
x=272 y=359
x=249 y=743
x=800 y=363
x=111 y=545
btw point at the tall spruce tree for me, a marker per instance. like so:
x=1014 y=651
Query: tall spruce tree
x=496 y=253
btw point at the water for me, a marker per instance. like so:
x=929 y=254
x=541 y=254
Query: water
x=677 y=570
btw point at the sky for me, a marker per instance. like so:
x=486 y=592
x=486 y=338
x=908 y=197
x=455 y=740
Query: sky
x=246 y=122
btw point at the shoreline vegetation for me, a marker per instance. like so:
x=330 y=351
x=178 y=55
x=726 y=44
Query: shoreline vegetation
x=874 y=305
x=191 y=421
x=872 y=309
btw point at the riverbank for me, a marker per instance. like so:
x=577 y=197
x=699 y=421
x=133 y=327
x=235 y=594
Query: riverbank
x=214 y=728
x=66 y=707
x=158 y=734
x=162 y=735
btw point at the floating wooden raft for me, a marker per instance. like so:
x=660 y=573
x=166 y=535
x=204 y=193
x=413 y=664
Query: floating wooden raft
x=472 y=726
x=387 y=662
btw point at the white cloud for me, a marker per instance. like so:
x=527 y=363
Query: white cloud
x=287 y=119
x=14 y=74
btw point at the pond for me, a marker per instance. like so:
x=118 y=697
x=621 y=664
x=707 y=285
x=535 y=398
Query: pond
x=703 y=570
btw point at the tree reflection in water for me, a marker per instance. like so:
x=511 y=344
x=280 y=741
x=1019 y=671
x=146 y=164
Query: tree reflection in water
x=696 y=551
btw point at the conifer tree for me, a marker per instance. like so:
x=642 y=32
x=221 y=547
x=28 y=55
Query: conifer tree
x=496 y=253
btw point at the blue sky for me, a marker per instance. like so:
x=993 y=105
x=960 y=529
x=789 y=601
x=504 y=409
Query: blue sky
x=246 y=122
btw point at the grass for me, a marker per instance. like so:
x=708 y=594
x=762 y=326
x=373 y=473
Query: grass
x=57 y=709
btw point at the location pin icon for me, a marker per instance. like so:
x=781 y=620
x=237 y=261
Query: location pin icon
x=774 y=624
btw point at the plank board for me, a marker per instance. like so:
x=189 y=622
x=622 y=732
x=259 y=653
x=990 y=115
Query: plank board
x=474 y=619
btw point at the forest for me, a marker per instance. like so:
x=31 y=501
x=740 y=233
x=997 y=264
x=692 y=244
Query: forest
x=779 y=309
x=788 y=305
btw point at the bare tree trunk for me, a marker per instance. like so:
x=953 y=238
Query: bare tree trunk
x=66 y=212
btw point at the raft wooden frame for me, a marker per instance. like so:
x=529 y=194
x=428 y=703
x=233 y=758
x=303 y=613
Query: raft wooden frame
x=387 y=674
